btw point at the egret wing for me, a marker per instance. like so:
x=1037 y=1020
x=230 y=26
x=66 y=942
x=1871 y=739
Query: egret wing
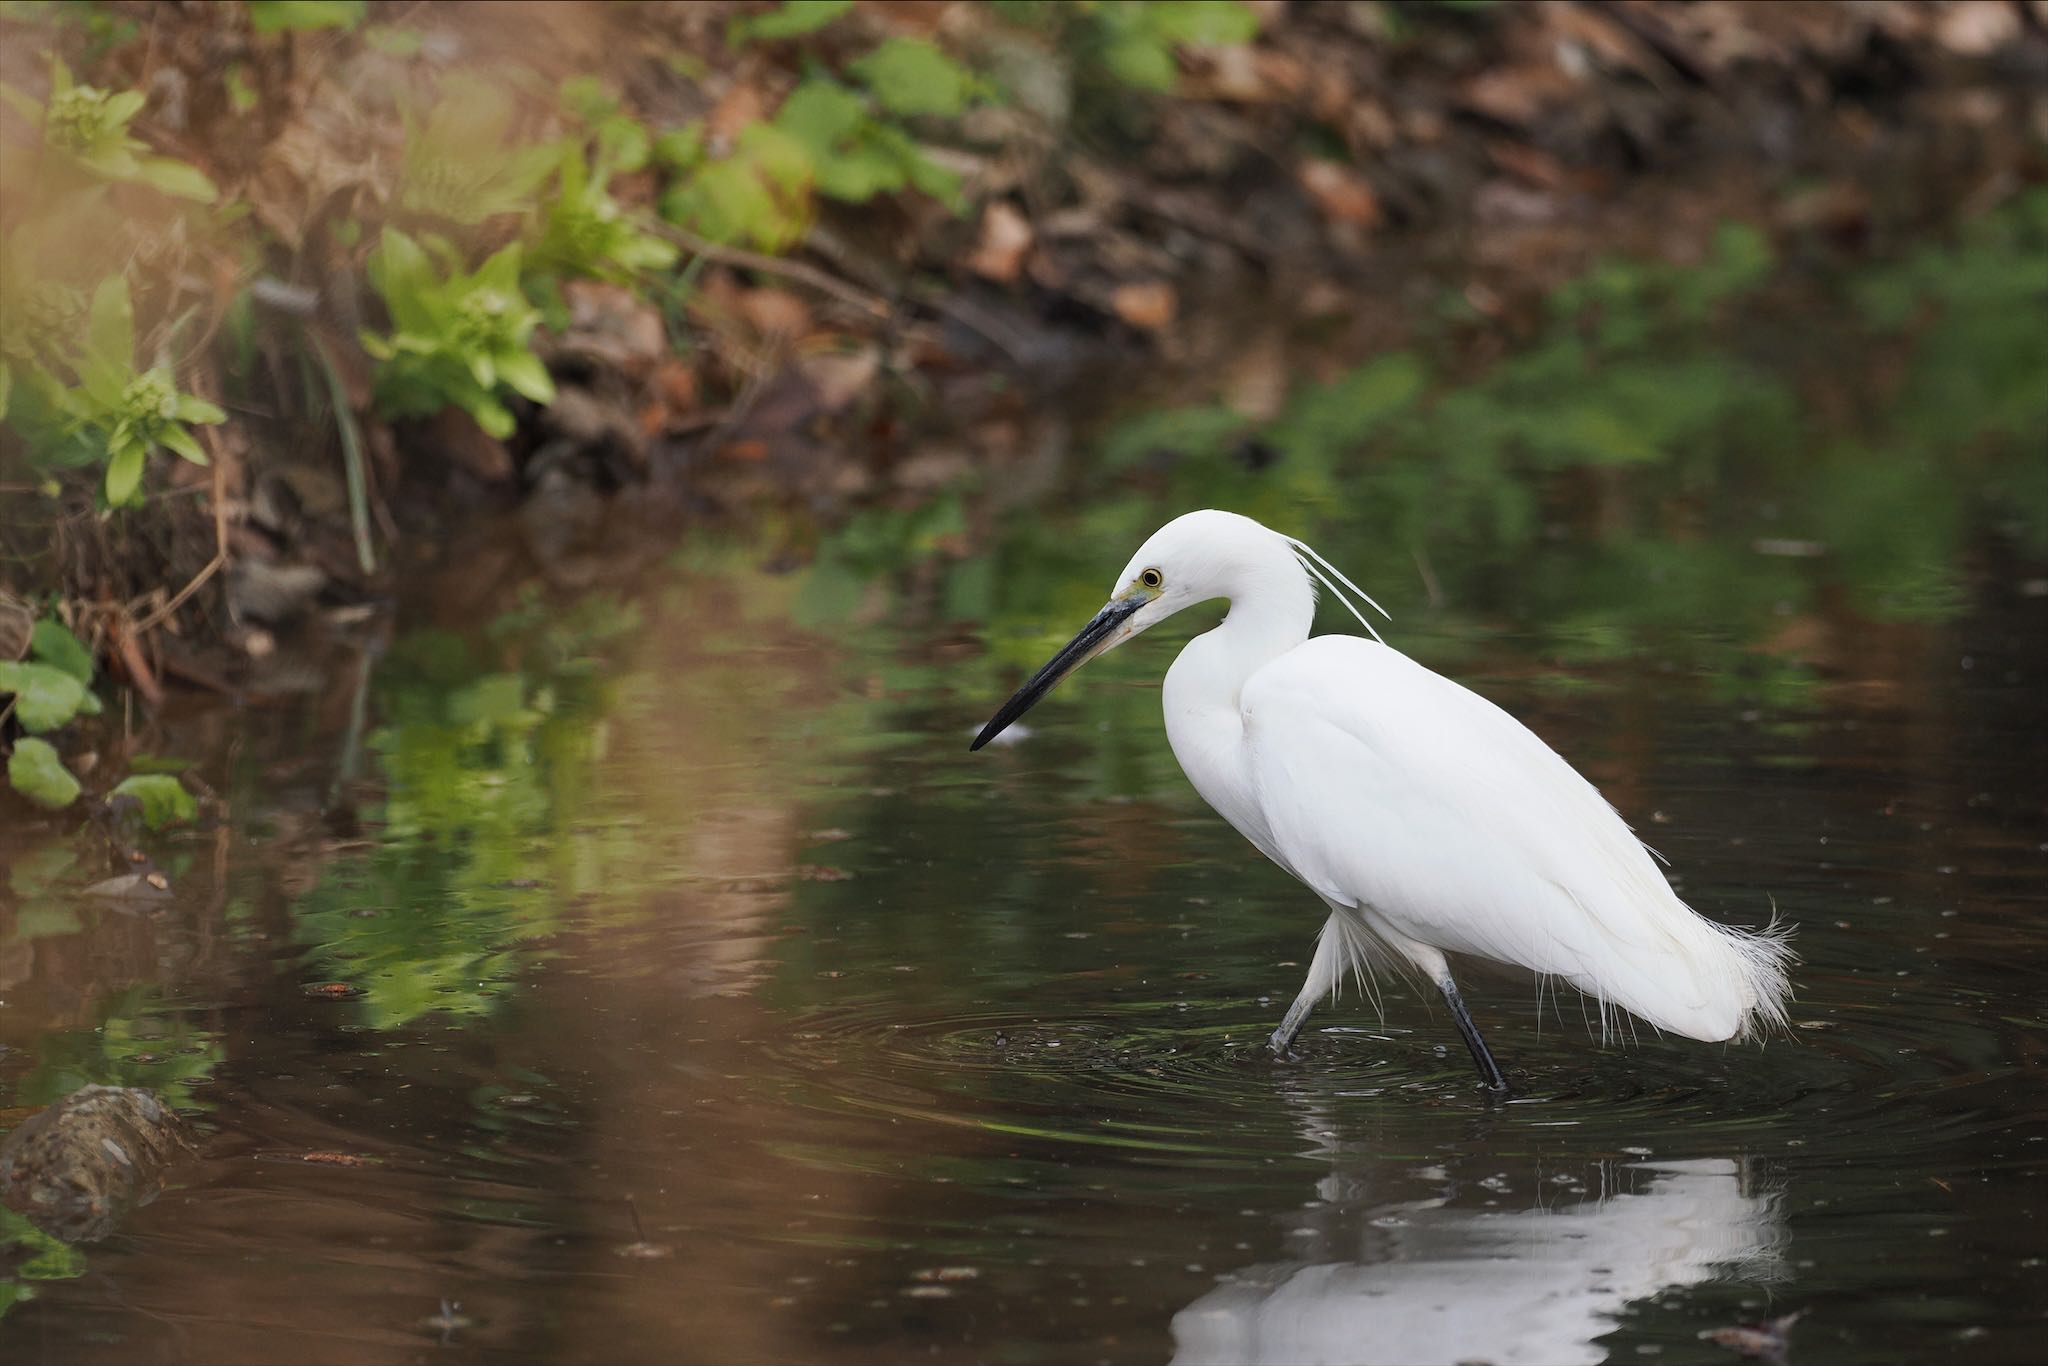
x=1391 y=788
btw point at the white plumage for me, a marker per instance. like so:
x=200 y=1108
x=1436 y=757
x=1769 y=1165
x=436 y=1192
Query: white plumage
x=1445 y=1283
x=1428 y=820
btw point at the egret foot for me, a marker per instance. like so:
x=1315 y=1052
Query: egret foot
x=1489 y=1070
x=1282 y=1042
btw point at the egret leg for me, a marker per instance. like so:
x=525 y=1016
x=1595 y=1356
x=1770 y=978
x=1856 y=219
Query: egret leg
x=1324 y=972
x=1489 y=1070
x=1282 y=1041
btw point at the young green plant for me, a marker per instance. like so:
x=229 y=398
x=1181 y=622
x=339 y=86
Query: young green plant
x=457 y=338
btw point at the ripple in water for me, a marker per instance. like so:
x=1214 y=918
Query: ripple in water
x=1196 y=1078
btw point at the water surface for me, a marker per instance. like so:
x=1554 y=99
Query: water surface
x=658 y=978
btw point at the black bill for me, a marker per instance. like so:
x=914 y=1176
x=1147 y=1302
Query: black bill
x=1077 y=652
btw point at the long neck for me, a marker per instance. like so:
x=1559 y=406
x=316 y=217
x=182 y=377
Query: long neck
x=1272 y=607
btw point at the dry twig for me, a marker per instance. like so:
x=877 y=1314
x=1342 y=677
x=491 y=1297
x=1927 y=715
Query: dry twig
x=220 y=541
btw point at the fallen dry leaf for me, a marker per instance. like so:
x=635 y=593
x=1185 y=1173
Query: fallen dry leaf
x=1149 y=305
x=1517 y=95
x=329 y=1159
x=676 y=382
x=643 y=1251
x=1765 y=1340
x=1340 y=192
x=1006 y=238
x=151 y=886
x=775 y=312
x=17 y=621
x=840 y=377
x=741 y=107
x=1978 y=29
x=820 y=872
x=609 y=324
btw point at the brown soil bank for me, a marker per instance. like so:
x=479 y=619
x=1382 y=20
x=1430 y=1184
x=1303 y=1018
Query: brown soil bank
x=793 y=256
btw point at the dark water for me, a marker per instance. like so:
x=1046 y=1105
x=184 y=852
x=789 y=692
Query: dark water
x=709 y=1002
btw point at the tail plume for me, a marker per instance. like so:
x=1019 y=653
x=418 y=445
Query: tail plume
x=1764 y=961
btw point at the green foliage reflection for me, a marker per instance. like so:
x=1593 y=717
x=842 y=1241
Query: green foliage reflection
x=1682 y=458
x=140 y=1042
x=482 y=767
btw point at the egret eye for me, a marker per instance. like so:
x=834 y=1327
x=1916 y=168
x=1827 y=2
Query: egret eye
x=1150 y=578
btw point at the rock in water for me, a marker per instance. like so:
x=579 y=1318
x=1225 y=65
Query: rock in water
x=76 y=1169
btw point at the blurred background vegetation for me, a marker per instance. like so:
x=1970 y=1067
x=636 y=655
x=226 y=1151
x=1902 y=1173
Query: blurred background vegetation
x=1603 y=322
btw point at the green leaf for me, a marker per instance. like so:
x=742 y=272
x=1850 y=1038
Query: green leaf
x=45 y=697
x=177 y=178
x=793 y=19
x=728 y=202
x=180 y=440
x=111 y=324
x=44 y=922
x=588 y=98
x=101 y=381
x=157 y=763
x=641 y=251
x=164 y=799
x=6 y=386
x=911 y=76
x=191 y=409
x=242 y=96
x=681 y=148
x=123 y=106
x=124 y=473
x=523 y=372
x=819 y=114
x=1141 y=62
x=1204 y=23
x=114 y=160
x=1601 y=437
x=859 y=174
x=57 y=647
x=38 y=774
x=780 y=157
x=494 y=417
x=401 y=272
x=281 y=16
x=622 y=147
x=501 y=271
x=937 y=181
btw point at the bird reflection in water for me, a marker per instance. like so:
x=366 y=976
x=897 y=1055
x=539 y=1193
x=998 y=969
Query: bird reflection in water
x=1451 y=1279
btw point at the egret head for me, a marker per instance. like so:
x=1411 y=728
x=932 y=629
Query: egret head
x=1193 y=558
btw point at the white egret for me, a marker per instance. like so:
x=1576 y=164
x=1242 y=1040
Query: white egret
x=1427 y=819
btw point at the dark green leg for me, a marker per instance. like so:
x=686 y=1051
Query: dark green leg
x=1489 y=1070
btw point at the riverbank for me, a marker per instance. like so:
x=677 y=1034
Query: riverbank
x=499 y=295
